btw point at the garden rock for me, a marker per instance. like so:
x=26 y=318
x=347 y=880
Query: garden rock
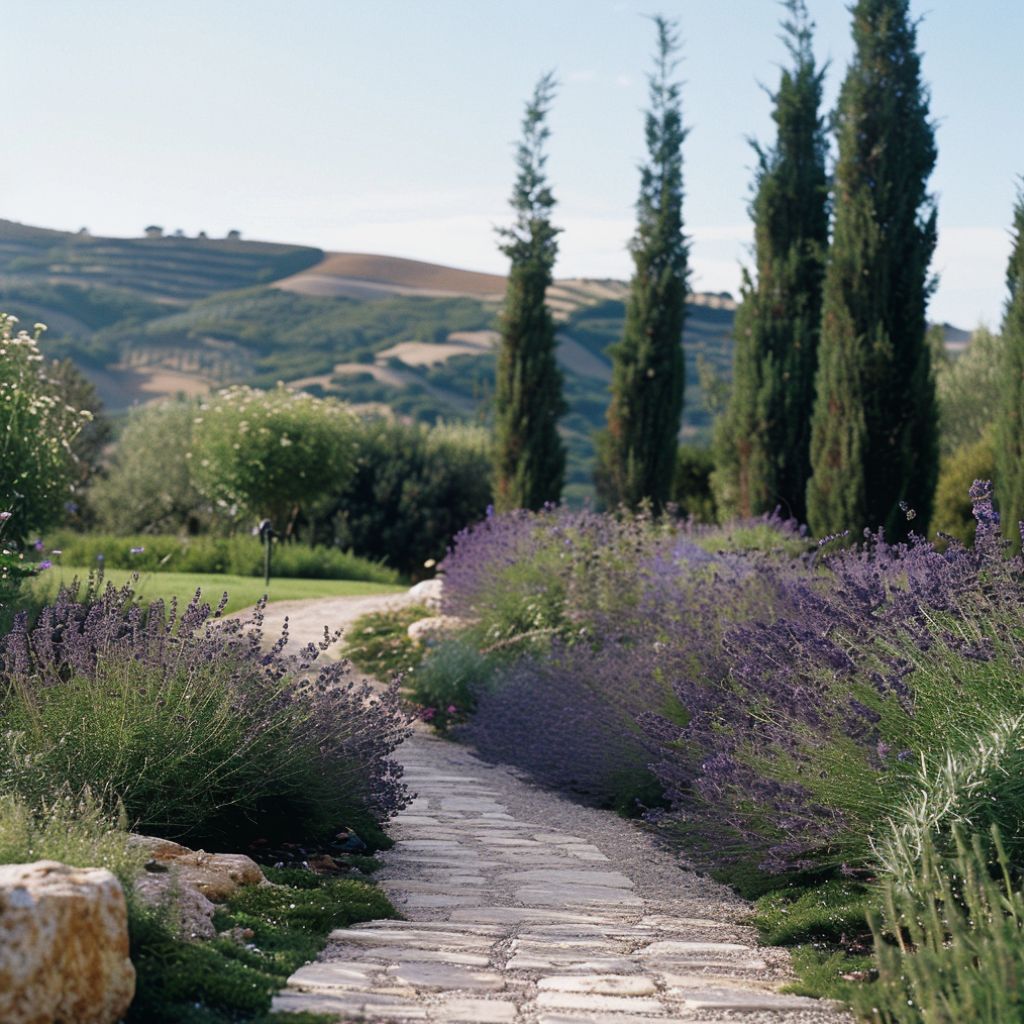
x=216 y=875
x=192 y=882
x=64 y=954
x=429 y=632
x=428 y=592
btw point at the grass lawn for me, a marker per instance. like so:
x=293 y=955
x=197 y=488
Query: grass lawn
x=243 y=591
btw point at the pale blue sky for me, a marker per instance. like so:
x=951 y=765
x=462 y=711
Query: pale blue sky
x=388 y=125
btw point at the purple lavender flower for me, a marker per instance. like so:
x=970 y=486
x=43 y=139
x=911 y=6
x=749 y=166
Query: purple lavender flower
x=137 y=551
x=45 y=564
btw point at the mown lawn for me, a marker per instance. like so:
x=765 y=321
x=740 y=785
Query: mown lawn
x=243 y=591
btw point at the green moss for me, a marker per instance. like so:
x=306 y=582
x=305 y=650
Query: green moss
x=834 y=911
x=223 y=981
x=819 y=972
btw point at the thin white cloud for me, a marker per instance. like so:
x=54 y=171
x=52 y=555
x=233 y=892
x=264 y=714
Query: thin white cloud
x=623 y=81
x=583 y=75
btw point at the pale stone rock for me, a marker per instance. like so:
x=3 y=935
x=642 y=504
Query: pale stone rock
x=674 y=947
x=560 y=876
x=395 y=954
x=64 y=952
x=348 y=1005
x=191 y=912
x=431 y=631
x=445 y=976
x=216 y=875
x=428 y=592
x=599 y=984
x=588 y=1002
x=475 y=1011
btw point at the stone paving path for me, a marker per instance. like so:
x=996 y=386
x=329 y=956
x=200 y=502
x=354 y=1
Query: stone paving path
x=521 y=907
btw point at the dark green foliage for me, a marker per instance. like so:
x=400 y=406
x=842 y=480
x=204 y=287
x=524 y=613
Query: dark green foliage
x=412 y=489
x=221 y=981
x=830 y=911
x=763 y=439
x=529 y=454
x=1009 y=444
x=691 y=485
x=637 y=453
x=873 y=433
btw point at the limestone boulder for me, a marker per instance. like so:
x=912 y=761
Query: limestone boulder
x=63 y=945
x=428 y=592
x=215 y=875
x=431 y=631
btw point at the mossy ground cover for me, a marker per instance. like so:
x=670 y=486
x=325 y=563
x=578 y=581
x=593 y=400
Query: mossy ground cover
x=242 y=591
x=379 y=643
x=228 y=980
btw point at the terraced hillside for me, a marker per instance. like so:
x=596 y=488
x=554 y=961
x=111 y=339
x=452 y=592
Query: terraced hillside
x=154 y=316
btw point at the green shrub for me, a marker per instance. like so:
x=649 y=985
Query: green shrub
x=448 y=679
x=379 y=643
x=148 y=485
x=268 y=453
x=236 y=556
x=37 y=428
x=412 y=490
x=949 y=941
x=221 y=981
x=691 y=485
x=73 y=830
x=190 y=725
x=972 y=460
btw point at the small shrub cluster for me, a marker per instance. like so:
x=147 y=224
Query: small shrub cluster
x=379 y=643
x=391 y=492
x=190 y=724
x=235 y=556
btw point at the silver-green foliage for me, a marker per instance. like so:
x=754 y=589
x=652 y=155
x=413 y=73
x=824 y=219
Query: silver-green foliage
x=148 y=486
x=950 y=939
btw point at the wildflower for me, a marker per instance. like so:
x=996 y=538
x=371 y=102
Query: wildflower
x=452 y=709
x=45 y=564
x=137 y=551
x=4 y=516
x=39 y=545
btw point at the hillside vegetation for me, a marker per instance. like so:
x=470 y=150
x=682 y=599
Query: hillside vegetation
x=155 y=316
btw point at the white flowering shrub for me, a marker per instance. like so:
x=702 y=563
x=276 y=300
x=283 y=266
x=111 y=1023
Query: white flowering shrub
x=36 y=431
x=269 y=453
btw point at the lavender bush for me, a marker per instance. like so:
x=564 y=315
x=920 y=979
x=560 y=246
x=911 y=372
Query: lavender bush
x=785 y=699
x=188 y=722
x=595 y=617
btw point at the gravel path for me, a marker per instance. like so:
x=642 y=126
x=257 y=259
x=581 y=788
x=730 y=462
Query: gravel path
x=523 y=907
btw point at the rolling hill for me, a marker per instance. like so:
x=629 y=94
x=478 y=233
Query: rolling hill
x=156 y=316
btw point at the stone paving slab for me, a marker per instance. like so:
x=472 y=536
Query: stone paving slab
x=581 y=920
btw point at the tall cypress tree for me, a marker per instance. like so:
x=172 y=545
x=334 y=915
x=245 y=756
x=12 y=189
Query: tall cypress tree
x=762 y=440
x=1009 y=482
x=529 y=454
x=873 y=432
x=637 y=452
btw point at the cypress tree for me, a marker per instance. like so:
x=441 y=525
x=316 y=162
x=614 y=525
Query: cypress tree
x=762 y=440
x=637 y=452
x=873 y=432
x=529 y=454
x=1009 y=481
